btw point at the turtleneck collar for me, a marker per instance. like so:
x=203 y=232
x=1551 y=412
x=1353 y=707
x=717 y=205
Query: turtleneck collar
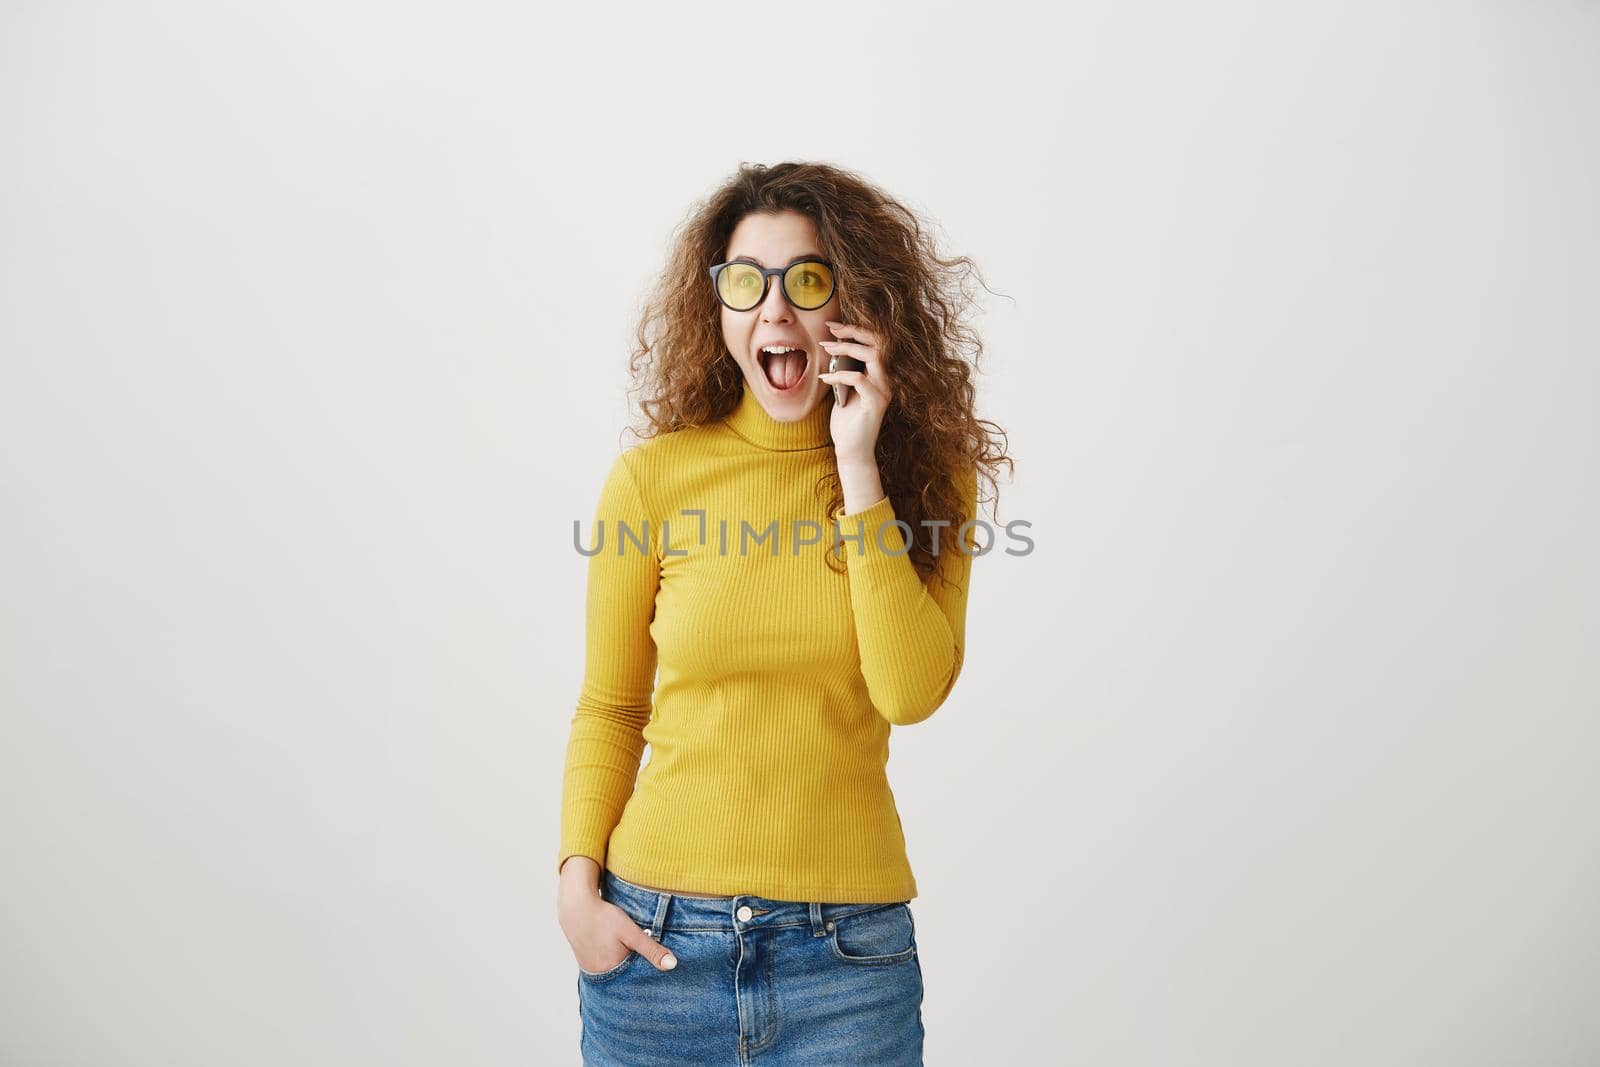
x=750 y=421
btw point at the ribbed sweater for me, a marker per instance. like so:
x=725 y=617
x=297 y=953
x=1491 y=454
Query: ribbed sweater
x=779 y=678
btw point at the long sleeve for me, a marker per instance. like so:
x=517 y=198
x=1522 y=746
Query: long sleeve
x=910 y=633
x=607 y=739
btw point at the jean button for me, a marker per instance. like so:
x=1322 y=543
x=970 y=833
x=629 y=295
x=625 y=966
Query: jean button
x=744 y=913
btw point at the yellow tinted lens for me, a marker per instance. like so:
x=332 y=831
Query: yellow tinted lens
x=808 y=284
x=739 y=285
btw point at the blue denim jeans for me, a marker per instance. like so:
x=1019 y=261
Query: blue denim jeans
x=758 y=981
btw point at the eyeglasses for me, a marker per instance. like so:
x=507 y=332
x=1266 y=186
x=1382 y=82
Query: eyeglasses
x=741 y=286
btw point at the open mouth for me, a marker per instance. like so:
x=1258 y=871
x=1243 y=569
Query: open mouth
x=784 y=366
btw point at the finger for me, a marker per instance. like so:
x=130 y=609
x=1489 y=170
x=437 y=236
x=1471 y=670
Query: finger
x=865 y=353
x=871 y=365
x=858 y=333
x=862 y=383
x=640 y=941
x=861 y=343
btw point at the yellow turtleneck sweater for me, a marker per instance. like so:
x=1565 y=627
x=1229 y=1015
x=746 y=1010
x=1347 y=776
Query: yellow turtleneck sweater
x=779 y=678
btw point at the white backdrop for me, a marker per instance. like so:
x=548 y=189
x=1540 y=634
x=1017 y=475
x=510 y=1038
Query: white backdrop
x=1277 y=749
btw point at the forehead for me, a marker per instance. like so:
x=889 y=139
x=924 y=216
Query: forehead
x=773 y=239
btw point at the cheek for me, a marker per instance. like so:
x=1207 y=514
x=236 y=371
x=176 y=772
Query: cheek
x=816 y=325
x=730 y=333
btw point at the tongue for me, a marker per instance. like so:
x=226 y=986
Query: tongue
x=785 y=369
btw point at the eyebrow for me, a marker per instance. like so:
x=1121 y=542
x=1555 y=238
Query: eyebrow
x=757 y=262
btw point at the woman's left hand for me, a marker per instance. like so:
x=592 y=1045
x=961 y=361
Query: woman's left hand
x=855 y=425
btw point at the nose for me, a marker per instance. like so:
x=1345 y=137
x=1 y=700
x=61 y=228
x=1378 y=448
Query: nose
x=775 y=308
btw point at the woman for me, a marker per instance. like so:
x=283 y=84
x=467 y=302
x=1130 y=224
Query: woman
x=747 y=897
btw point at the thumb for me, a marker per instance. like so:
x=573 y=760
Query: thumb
x=651 y=949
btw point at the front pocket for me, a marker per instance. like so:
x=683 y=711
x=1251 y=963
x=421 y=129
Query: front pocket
x=607 y=975
x=882 y=935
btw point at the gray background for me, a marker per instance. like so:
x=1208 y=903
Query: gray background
x=1278 y=748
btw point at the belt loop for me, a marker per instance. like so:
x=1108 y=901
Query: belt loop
x=817 y=927
x=663 y=901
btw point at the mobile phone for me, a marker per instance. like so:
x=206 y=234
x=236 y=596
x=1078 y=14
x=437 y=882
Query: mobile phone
x=841 y=392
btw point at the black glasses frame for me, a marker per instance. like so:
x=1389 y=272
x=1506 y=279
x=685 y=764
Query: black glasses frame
x=767 y=274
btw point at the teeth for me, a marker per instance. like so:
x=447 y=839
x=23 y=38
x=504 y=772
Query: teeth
x=779 y=349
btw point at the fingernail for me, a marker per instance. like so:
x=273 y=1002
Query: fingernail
x=669 y=961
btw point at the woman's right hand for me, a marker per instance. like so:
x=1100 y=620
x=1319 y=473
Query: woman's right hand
x=600 y=933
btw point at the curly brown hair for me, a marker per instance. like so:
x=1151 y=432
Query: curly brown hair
x=889 y=278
